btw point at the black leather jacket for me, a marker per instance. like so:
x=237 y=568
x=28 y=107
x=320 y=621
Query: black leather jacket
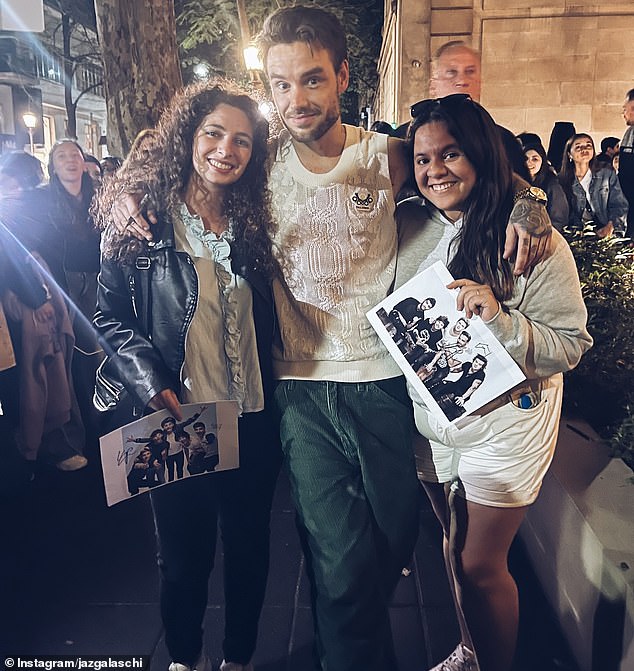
x=143 y=314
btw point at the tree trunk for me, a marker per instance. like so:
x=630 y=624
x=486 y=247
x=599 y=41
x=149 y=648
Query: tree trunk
x=71 y=108
x=141 y=67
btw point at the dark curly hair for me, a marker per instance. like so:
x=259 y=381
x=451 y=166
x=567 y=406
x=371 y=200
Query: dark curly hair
x=164 y=166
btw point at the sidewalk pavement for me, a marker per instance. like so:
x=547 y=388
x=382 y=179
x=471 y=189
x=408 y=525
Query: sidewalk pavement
x=78 y=578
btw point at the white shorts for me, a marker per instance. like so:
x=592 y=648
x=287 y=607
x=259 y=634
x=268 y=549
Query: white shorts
x=500 y=458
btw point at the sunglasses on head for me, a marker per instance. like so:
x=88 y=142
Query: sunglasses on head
x=418 y=108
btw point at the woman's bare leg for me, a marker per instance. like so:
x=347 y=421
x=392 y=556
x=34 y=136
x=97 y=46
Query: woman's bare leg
x=438 y=496
x=486 y=591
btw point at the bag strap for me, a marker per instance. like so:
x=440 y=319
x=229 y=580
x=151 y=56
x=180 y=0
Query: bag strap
x=143 y=264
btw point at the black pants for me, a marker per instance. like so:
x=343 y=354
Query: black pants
x=186 y=515
x=175 y=461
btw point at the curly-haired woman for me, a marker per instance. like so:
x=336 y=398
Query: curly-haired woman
x=189 y=318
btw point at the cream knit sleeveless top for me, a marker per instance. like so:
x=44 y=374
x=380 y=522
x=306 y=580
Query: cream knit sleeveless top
x=337 y=243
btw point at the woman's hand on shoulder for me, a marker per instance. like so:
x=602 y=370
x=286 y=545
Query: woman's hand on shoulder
x=167 y=400
x=475 y=299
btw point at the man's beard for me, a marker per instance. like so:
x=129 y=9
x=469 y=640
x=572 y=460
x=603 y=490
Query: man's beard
x=317 y=132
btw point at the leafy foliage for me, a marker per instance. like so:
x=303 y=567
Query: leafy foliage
x=601 y=388
x=209 y=31
x=81 y=11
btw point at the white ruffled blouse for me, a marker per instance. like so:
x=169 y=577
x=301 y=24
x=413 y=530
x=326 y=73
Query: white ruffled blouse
x=221 y=358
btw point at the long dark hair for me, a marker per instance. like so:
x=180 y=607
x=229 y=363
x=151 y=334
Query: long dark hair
x=567 y=174
x=479 y=245
x=87 y=186
x=69 y=213
x=545 y=173
x=165 y=166
x=562 y=130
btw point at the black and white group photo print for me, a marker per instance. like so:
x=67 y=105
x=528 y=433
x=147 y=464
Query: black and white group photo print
x=455 y=364
x=157 y=449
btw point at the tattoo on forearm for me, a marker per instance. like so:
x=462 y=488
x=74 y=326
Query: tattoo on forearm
x=532 y=217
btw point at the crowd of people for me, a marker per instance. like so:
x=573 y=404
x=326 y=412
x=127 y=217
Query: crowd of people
x=50 y=253
x=218 y=263
x=581 y=188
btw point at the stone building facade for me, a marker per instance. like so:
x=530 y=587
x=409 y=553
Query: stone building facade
x=542 y=61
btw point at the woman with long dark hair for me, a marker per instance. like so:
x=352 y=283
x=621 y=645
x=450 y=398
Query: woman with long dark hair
x=544 y=177
x=594 y=193
x=481 y=479
x=43 y=224
x=189 y=318
x=64 y=234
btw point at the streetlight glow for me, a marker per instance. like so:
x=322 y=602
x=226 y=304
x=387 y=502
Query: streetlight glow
x=252 y=58
x=201 y=70
x=30 y=121
x=266 y=108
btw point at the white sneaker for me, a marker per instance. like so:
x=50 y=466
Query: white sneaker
x=234 y=666
x=177 y=666
x=73 y=463
x=202 y=664
x=461 y=659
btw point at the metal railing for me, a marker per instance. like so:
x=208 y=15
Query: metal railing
x=17 y=56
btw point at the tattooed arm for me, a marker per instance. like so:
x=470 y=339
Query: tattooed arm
x=527 y=234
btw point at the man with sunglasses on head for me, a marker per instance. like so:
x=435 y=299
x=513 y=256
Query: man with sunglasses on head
x=352 y=472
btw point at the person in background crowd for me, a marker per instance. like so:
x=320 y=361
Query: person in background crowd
x=543 y=176
x=19 y=172
x=44 y=409
x=382 y=127
x=94 y=169
x=456 y=68
x=110 y=165
x=204 y=332
x=514 y=153
x=64 y=234
x=609 y=147
x=526 y=138
x=626 y=160
x=562 y=131
x=594 y=194
x=481 y=479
